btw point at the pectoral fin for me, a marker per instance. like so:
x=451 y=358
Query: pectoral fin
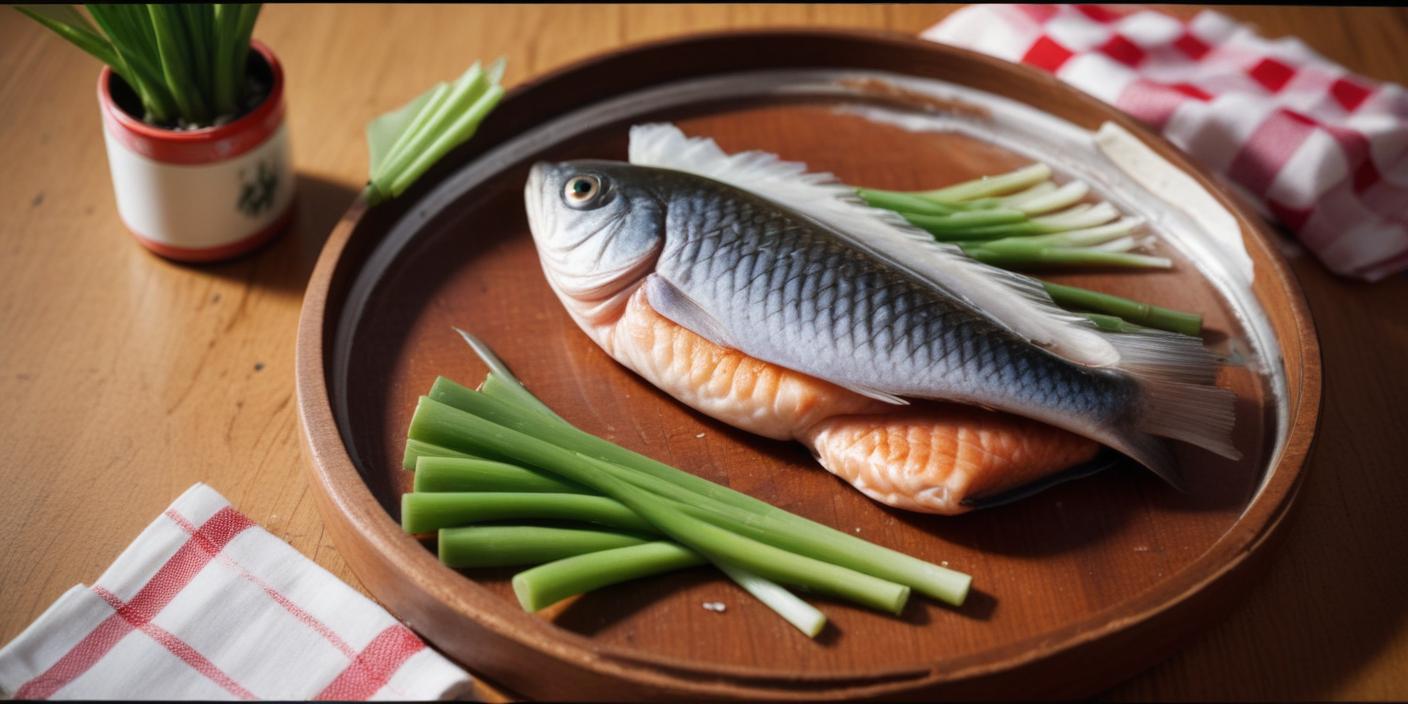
x=668 y=300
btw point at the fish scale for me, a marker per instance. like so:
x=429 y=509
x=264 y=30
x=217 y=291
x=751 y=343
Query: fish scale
x=753 y=265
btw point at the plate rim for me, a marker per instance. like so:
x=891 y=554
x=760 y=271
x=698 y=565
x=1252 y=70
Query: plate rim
x=365 y=535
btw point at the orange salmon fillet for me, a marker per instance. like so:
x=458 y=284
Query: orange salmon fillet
x=931 y=459
x=926 y=457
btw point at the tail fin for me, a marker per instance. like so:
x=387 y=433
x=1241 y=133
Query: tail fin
x=1197 y=415
x=1147 y=450
x=1178 y=400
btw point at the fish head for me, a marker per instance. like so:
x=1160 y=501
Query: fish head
x=599 y=227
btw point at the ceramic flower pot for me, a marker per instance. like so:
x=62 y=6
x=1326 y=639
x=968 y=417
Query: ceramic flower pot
x=206 y=194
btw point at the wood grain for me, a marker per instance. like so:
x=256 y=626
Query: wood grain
x=129 y=378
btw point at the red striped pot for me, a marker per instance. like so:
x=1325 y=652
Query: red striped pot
x=207 y=194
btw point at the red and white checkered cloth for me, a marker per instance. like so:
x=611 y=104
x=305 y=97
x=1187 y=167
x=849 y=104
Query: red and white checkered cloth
x=205 y=604
x=1318 y=148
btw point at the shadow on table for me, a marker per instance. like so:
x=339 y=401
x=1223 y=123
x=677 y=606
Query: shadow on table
x=1333 y=597
x=283 y=265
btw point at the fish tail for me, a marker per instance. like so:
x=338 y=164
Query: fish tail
x=1196 y=414
x=1148 y=450
x=1178 y=398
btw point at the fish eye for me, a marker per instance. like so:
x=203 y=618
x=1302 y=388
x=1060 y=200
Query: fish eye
x=581 y=190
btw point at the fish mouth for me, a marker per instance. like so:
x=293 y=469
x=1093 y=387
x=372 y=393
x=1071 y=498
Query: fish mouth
x=537 y=173
x=533 y=195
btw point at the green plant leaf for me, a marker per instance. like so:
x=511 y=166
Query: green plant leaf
x=182 y=60
x=175 y=51
x=225 y=81
x=244 y=31
x=129 y=30
x=70 y=24
x=198 y=25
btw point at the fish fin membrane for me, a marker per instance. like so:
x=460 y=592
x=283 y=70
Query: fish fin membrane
x=876 y=394
x=668 y=300
x=1166 y=356
x=1180 y=401
x=1194 y=413
x=1013 y=301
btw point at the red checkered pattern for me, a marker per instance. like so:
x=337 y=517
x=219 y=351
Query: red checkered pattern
x=1323 y=151
x=207 y=605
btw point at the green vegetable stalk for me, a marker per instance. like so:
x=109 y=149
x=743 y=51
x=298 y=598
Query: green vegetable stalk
x=504 y=399
x=509 y=546
x=404 y=143
x=1061 y=258
x=444 y=425
x=784 y=529
x=986 y=186
x=503 y=385
x=416 y=449
x=421 y=513
x=1022 y=221
x=1131 y=311
x=453 y=474
x=545 y=585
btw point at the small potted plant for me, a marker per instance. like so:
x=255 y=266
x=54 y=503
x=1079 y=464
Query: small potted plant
x=193 y=118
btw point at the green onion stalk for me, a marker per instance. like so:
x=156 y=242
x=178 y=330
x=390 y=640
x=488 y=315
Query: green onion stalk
x=699 y=496
x=501 y=383
x=1062 y=258
x=499 y=546
x=588 y=570
x=425 y=512
x=704 y=499
x=405 y=143
x=986 y=186
x=545 y=585
x=460 y=474
x=451 y=427
x=416 y=449
x=1023 y=221
x=997 y=223
x=1142 y=314
x=485 y=441
x=509 y=546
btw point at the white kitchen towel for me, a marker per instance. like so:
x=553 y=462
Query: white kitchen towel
x=1318 y=148
x=205 y=604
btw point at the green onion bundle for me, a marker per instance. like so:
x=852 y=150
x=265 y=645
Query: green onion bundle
x=1023 y=221
x=406 y=142
x=498 y=454
x=187 y=63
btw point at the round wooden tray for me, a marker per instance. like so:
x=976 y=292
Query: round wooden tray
x=1074 y=588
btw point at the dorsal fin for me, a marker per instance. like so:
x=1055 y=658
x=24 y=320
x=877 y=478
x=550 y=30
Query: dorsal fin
x=1016 y=302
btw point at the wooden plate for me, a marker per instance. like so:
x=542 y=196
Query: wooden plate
x=1075 y=588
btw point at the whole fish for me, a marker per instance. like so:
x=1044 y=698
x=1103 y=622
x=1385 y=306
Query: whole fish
x=774 y=300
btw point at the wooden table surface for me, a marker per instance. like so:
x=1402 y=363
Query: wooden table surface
x=126 y=378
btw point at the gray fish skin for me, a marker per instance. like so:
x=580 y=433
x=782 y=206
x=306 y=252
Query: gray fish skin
x=788 y=290
x=798 y=296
